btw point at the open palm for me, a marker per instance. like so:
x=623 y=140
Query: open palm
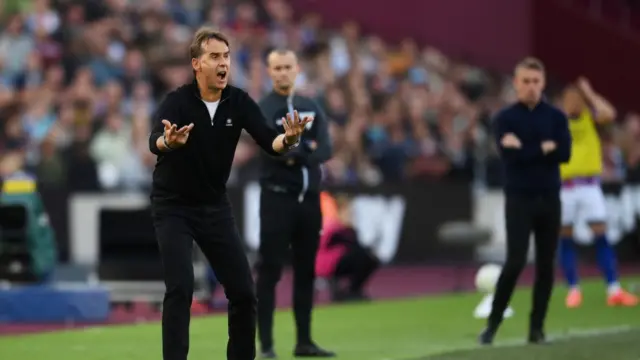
x=294 y=127
x=176 y=137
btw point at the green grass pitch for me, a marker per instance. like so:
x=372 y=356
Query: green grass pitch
x=429 y=328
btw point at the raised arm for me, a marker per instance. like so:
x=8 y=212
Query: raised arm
x=266 y=137
x=256 y=125
x=562 y=134
x=165 y=135
x=291 y=157
x=603 y=110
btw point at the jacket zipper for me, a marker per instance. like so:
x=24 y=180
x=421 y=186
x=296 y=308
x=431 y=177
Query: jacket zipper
x=213 y=119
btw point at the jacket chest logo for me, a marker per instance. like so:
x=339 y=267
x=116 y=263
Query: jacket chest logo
x=229 y=122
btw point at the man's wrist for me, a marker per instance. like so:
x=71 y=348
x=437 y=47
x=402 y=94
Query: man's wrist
x=287 y=145
x=166 y=144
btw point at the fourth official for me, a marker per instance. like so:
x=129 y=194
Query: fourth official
x=290 y=216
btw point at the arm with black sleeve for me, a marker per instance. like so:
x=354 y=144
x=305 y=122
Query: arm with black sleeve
x=562 y=135
x=265 y=136
x=524 y=154
x=167 y=110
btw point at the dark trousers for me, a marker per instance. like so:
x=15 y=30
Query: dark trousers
x=357 y=265
x=539 y=215
x=287 y=223
x=213 y=229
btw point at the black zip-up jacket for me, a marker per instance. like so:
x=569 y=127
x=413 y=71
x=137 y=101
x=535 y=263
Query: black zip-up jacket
x=298 y=172
x=528 y=170
x=197 y=173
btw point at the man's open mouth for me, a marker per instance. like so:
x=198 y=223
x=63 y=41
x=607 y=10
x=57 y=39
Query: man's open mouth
x=222 y=74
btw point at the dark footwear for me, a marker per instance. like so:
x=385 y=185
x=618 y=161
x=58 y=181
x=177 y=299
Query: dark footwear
x=537 y=337
x=311 y=350
x=486 y=336
x=269 y=354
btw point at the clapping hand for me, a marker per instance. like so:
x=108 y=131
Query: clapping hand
x=294 y=126
x=511 y=141
x=175 y=137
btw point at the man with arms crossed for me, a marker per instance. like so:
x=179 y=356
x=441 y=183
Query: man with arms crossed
x=290 y=215
x=533 y=139
x=582 y=195
x=195 y=133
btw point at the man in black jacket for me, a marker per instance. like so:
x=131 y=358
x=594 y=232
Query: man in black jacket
x=196 y=130
x=533 y=138
x=290 y=207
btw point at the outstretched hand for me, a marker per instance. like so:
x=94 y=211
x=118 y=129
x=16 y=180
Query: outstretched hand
x=294 y=127
x=175 y=137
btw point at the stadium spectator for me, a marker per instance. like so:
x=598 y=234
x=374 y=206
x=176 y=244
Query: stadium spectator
x=410 y=113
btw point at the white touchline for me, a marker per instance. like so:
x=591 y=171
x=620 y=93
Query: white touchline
x=570 y=333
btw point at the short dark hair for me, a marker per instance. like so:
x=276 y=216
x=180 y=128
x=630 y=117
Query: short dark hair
x=278 y=51
x=203 y=35
x=530 y=63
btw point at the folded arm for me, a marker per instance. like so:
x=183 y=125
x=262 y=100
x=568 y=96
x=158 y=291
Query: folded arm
x=562 y=153
x=524 y=154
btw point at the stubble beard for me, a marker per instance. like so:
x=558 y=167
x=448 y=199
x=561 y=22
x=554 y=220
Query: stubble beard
x=285 y=88
x=213 y=87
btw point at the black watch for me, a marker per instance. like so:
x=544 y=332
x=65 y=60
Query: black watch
x=289 y=146
x=166 y=144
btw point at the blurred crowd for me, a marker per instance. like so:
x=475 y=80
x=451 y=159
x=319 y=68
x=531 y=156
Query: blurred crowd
x=79 y=81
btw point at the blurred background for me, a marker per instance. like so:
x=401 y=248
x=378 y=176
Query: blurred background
x=409 y=94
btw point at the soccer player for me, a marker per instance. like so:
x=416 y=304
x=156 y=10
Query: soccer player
x=581 y=194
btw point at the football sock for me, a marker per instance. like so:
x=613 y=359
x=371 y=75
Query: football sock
x=607 y=262
x=568 y=261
